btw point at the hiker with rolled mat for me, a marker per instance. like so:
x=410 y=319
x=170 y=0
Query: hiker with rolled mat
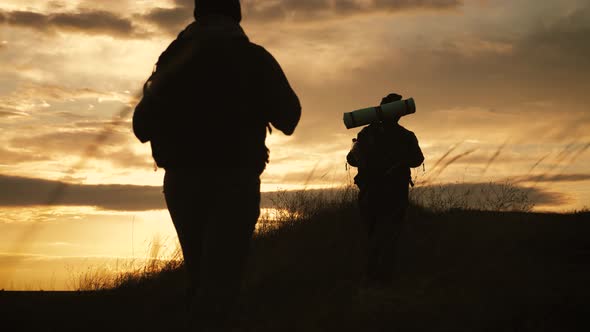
x=383 y=152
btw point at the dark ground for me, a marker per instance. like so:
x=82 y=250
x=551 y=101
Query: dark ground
x=458 y=271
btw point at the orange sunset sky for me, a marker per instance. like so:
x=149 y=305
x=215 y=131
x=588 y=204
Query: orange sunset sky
x=506 y=80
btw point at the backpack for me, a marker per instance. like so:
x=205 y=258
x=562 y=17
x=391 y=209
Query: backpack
x=384 y=149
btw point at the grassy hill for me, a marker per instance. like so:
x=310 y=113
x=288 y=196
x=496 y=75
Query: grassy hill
x=458 y=270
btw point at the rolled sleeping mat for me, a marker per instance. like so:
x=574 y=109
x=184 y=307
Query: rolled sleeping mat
x=385 y=112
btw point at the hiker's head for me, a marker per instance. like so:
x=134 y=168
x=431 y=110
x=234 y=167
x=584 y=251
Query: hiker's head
x=390 y=98
x=229 y=8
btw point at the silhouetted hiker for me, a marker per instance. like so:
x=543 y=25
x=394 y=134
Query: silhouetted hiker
x=206 y=110
x=384 y=152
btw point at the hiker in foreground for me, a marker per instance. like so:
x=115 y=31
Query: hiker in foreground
x=383 y=152
x=206 y=110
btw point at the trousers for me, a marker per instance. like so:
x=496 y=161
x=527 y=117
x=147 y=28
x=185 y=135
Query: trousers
x=383 y=221
x=215 y=214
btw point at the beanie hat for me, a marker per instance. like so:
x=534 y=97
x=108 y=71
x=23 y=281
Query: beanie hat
x=229 y=8
x=390 y=98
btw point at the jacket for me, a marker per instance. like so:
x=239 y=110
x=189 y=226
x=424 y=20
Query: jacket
x=384 y=154
x=214 y=94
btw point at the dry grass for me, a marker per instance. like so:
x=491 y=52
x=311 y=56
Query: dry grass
x=292 y=210
x=455 y=270
x=491 y=196
x=127 y=273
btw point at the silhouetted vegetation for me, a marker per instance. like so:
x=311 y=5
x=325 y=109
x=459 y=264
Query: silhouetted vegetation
x=460 y=268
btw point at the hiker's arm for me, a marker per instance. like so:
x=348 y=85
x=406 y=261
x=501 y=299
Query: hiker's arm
x=351 y=159
x=278 y=98
x=415 y=156
x=357 y=155
x=169 y=64
x=143 y=121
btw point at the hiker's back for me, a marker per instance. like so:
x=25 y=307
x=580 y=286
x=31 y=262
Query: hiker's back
x=390 y=151
x=212 y=119
x=387 y=147
x=210 y=100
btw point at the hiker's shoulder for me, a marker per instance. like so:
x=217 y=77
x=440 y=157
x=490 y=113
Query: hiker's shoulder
x=366 y=131
x=404 y=131
x=259 y=52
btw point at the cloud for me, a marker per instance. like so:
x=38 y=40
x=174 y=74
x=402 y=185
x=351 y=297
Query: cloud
x=578 y=177
x=171 y=20
x=56 y=92
x=10 y=113
x=564 y=38
x=486 y=196
x=71 y=142
x=470 y=61
x=313 y=10
x=81 y=132
x=494 y=72
x=550 y=60
x=21 y=192
x=11 y=157
x=92 y=22
x=81 y=142
x=34 y=96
